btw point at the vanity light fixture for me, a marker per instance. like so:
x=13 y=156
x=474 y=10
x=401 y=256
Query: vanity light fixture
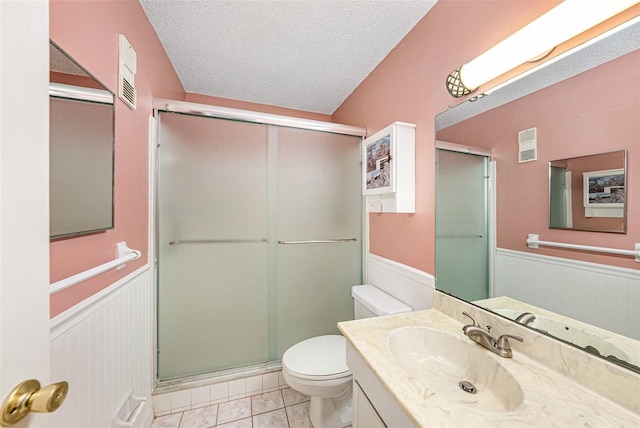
x=538 y=38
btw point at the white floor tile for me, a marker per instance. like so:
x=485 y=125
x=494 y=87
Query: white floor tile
x=291 y=396
x=266 y=402
x=275 y=419
x=204 y=417
x=265 y=410
x=298 y=415
x=169 y=421
x=234 y=410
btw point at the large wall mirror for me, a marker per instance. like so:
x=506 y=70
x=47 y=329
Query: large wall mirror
x=81 y=149
x=581 y=182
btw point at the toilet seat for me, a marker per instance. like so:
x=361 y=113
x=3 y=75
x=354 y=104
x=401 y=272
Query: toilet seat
x=318 y=358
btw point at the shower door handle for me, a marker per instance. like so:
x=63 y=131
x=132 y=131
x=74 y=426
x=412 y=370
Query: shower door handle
x=320 y=241
x=217 y=241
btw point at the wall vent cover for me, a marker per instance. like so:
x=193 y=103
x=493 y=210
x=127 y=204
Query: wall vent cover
x=127 y=67
x=126 y=90
x=527 y=145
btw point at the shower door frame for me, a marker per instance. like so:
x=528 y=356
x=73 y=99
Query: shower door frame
x=163 y=105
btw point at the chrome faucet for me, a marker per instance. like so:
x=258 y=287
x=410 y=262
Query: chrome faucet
x=526 y=318
x=499 y=346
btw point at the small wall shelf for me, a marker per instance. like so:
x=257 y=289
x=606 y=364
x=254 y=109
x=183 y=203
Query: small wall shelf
x=389 y=165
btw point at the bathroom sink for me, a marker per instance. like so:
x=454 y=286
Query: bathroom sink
x=462 y=372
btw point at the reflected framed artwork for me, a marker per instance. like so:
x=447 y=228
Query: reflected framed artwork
x=604 y=188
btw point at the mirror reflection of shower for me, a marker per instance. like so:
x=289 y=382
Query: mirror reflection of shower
x=560 y=215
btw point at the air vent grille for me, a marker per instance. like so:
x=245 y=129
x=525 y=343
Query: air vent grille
x=527 y=155
x=127 y=68
x=128 y=93
x=527 y=145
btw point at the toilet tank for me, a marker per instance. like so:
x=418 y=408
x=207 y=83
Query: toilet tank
x=370 y=301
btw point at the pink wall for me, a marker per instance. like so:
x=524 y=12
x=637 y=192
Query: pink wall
x=88 y=31
x=409 y=86
x=580 y=116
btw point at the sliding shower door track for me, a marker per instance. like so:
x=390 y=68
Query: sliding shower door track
x=193 y=381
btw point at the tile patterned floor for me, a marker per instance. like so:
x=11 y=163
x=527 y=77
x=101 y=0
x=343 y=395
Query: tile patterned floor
x=285 y=408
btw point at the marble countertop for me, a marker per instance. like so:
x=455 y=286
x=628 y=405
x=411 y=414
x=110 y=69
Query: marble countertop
x=550 y=398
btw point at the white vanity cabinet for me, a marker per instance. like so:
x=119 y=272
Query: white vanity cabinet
x=373 y=406
x=388 y=168
x=364 y=414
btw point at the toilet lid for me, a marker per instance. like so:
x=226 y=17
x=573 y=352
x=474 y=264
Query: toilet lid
x=319 y=357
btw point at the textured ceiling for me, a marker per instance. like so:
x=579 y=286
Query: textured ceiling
x=301 y=54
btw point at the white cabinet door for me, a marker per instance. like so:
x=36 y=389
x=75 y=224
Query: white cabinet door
x=364 y=414
x=24 y=197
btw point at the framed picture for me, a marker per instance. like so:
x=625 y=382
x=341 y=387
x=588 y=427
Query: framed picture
x=604 y=189
x=378 y=165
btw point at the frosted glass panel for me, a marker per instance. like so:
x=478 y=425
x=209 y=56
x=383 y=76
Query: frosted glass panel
x=213 y=307
x=318 y=198
x=222 y=303
x=461 y=225
x=212 y=296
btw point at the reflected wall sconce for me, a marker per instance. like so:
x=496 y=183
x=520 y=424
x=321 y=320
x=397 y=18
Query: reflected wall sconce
x=534 y=41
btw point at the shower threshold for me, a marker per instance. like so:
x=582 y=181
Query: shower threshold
x=194 y=381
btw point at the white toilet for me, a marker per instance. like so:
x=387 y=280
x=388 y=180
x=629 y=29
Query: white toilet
x=317 y=367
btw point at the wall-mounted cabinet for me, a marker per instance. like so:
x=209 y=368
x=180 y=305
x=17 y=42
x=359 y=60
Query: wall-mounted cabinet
x=389 y=169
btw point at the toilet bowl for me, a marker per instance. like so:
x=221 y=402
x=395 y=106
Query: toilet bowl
x=317 y=366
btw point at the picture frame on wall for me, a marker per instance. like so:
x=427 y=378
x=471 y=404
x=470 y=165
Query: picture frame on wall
x=604 y=189
x=378 y=165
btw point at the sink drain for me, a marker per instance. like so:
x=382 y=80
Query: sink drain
x=467 y=386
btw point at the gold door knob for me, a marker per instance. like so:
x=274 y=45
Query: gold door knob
x=49 y=398
x=28 y=396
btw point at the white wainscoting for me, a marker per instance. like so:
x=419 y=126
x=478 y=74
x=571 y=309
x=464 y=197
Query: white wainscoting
x=601 y=295
x=103 y=348
x=409 y=285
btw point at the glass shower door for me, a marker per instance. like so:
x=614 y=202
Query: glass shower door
x=212 y=249
x=462 y=243
x=319 y=223
x=259 y=240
